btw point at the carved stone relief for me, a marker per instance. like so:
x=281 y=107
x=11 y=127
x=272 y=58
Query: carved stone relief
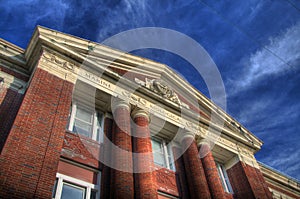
x=56 y=60
x=161 y=88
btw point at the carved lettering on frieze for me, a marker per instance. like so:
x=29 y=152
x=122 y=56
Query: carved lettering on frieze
x=94 y=78
x=59 y=61
x=226 y=143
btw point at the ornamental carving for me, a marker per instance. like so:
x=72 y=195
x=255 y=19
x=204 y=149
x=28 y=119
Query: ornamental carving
x=80 y=149
x=244 y=152
x=56 y=60
x=160 y=87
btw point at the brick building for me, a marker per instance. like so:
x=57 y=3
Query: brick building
x=82 y=120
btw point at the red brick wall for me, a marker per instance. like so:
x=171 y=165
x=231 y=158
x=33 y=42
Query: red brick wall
x=247 y=182
x=10 y=101
x=31 y=153
x=77 y=172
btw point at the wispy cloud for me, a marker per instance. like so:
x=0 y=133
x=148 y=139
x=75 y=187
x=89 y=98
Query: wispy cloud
x=280 y=55
x=285 y=160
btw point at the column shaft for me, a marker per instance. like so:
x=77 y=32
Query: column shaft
x=194 y=170
x=180 y=173
x=211 y=172
x=145 y=178
x=122 y=180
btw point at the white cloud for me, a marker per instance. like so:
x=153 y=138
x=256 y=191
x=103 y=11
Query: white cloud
x=285 y=161
x=280 y=55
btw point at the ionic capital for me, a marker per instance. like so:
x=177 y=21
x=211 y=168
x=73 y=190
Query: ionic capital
x=201 y=142
x=182 y=134
x=139 y=112
x=119 y=103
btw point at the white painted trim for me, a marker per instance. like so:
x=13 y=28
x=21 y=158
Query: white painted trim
x=166 y=154
x=72 y=116
x=68 y=179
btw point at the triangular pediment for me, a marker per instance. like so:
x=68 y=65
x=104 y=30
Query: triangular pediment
x=154 y=78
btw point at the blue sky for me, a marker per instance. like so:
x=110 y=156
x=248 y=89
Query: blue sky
x=254 y=43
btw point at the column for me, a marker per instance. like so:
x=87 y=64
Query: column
x=180 y=173
x=107 y=155
x=193 y=167
x=145 y=178
x=211 y=172
x=122 y=176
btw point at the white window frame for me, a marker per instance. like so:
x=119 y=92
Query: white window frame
x=224 y=177
x=167 y=153
x=61 y=179
x=95 y=120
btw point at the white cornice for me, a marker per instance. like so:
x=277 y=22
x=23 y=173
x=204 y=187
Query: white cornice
x=13 y=55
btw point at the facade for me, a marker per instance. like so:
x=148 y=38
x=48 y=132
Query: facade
x=82 y=120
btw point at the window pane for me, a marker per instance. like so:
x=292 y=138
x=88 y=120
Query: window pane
x=82 y=128
x=54 y=188
x=223 y=177
x=159 y=159
x=99 y=119
x=158 y=155
x=93 y=194
x=156 y=146
x=72 y=192
x=84 y=115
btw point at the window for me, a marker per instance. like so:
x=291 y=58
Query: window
x=162 y=195
x=224 y=178
x=88 y=123
x=67 y=187
x=162 y=154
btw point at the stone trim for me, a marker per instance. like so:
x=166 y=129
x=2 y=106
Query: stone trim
x=9 y=81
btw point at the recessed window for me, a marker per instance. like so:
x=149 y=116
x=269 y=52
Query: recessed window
x=162 y=154
x=67 y=187
x=71 y=191
x=86 y=122
x=224 y=177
